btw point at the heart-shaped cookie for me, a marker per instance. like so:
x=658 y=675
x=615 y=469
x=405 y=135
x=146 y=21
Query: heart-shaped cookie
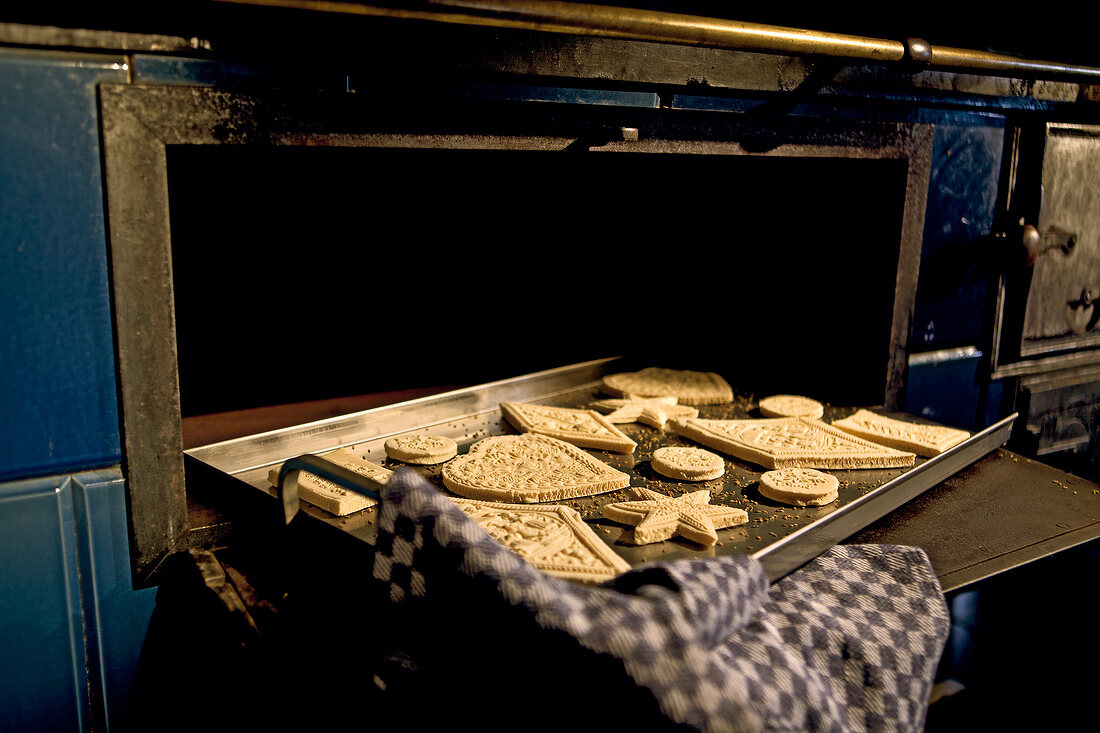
x=529 y=468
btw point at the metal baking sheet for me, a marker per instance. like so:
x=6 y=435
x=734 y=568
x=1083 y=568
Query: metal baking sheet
x=781 y=537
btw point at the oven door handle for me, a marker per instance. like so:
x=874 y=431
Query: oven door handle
x=288 y=481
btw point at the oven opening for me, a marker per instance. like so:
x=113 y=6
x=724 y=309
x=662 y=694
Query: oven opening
x=309 y=273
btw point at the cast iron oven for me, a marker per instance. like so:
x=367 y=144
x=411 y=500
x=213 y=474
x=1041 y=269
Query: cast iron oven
x=277 y=242
x=297 y=240
x=287 y=206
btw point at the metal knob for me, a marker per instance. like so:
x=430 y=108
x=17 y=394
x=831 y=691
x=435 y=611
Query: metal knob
x=1039 y=243
x=1081 y=313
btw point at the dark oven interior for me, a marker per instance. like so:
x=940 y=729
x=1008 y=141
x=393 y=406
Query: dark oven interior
x=307 y=273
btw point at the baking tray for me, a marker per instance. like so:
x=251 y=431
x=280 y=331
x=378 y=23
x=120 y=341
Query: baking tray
x=781 y=537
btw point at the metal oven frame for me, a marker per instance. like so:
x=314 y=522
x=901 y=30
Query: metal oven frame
x=140 y=122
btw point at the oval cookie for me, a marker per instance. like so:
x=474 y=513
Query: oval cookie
x=789 y=405
x=799 y=486
x=421 y=449
x=687 y=464
x=687 y=386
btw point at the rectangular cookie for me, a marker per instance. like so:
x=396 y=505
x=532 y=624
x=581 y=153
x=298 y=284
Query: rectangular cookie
x=924 y=440
x=791 y=442
x=331 y=497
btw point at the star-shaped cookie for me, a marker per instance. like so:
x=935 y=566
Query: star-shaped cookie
x=651 y=411
x=657 y=517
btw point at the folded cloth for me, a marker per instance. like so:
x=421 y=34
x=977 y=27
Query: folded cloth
x=468 y=629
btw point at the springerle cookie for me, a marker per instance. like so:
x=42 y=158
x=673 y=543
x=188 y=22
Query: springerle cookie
x=657 y=517
x=529 y=468
x=421 y=449
x=688 y=387
x=651 y=411
x=799 y=486
x=789 y=405
x=924 y=440
x=687 y=464
x=584 y=428
x=798 y=442
x=332 y=497
x=553 y=538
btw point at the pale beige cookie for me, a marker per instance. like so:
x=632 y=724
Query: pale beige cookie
x=554 y=538
x=421 y=449
x=584 y=428
x=687 y=464
x=924 y=440
x=789 y=405
x=657 y=517
x=799 y=486
x=651 y=411
x=688 y=387
x=332 y=497
x=529 y=468
x=783 y=442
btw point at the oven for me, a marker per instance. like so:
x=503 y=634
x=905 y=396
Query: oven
x=275 y=242
x=460 y=205
x=480 y=240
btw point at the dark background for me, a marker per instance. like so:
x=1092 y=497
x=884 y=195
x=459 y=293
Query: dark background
x=308 y=273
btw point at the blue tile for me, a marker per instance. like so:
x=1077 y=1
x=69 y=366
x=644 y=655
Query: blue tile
x=116 y=615
x=955 y=278
x=42 y=660
x=946 y=387
x=58 y=404
x=201 y=72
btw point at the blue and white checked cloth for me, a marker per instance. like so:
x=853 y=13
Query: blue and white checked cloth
x=470 y=631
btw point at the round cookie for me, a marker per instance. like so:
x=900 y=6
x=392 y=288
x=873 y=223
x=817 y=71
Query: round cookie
x=799 y=486
x=687 y=464
x=788 y=405
x=421 y=449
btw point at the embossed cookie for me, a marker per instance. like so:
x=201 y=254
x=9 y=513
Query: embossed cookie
x=789 y=405
x=657 y=517
x=529 y=468
x=924 y=440
x=651 y=411
x=799 y=486
x=687 y=464
x=332 y=497
x=688 y=387
x=552 y=537
x=798 y=442
x=421 y=449
x=584 y=428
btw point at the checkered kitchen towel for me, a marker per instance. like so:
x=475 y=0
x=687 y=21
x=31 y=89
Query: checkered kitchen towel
x=469 y=631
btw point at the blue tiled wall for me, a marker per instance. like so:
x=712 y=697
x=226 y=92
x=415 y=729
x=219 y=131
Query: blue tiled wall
x=951 y=312
x=58 y=404
x=115 y=615
x=71 y=625
x=42 y=661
